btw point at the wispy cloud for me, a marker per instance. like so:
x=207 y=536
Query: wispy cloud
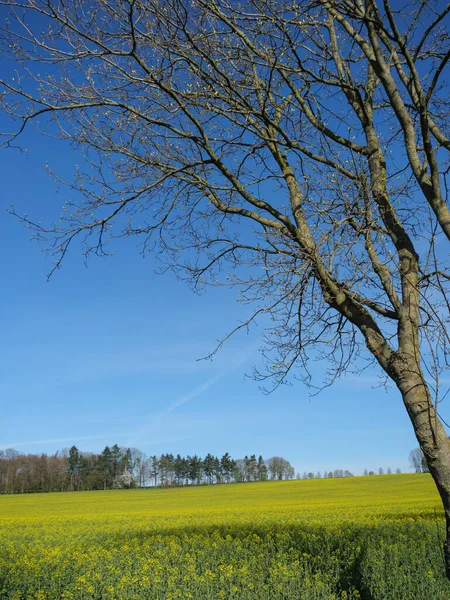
x=154 y=421
x=66 y=440
x=194 y=393
x=77 y=367
x=156 y=440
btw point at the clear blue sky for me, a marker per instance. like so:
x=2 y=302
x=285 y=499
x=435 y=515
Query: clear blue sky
x=108 y=354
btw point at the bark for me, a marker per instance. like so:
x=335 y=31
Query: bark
x=429 y=431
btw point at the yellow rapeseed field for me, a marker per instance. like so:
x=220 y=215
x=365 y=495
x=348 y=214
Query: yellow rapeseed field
x=373 y=538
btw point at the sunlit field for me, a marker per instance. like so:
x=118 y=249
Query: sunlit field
x=373 y=537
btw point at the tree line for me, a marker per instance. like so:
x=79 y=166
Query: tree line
x=117 y=467
x=381 y=471
x=339 y=473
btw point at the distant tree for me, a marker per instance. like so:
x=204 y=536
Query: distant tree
x=380 y=471
x=178 y=469
x=389 y=471
x=217 y=470
x=154 y=469
x=261 y=469
x=123 y=480
x=127 y=462
x=106 y=466
x=417 y=461
x=11 y=453
x=166 y=469
x=58 y=472
x=227 y=466
x=272 y=467
x=116 y=460
x=73 y=463
x=186 y=467
x=239 y=471
x=245 y=468
x=209 y=467
x=366 y=472
x=139 y=461
x=279 y=468
x=170 y=471
x=252 y=468
x=398 y=471
x=195 y=469
x=85 y=465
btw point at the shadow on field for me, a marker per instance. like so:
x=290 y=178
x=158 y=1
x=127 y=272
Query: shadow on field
x=384 y=561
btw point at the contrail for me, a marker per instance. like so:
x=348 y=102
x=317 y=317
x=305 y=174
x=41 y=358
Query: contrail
x=200 y=389
x=53 y=441
x=156 y=418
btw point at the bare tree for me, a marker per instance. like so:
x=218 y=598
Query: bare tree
x=297 y=151
x=417 y=461
x=279 y=468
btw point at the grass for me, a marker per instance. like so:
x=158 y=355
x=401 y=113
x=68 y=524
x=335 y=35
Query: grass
x=373 y=538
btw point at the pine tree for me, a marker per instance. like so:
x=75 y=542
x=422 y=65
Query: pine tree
x=217 y=470
x=195 y=469
x=261 y=469
x=208 y=467
x=154 y=469
x=178 y=468
x=228 y=466
x=106 y=466
x=127 y=461
x=73 y=464
x=116 y=459
x=252 y=468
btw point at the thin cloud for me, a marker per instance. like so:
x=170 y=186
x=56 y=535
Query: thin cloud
x=53 y=441
x=197 y=391
x=202 y=388
x=155 y=419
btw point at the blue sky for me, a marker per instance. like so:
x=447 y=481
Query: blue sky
x=108 y=354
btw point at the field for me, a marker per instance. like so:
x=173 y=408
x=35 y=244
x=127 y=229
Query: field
x=375 y=538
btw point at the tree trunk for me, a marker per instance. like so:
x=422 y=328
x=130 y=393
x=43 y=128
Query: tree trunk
x=431 y=435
